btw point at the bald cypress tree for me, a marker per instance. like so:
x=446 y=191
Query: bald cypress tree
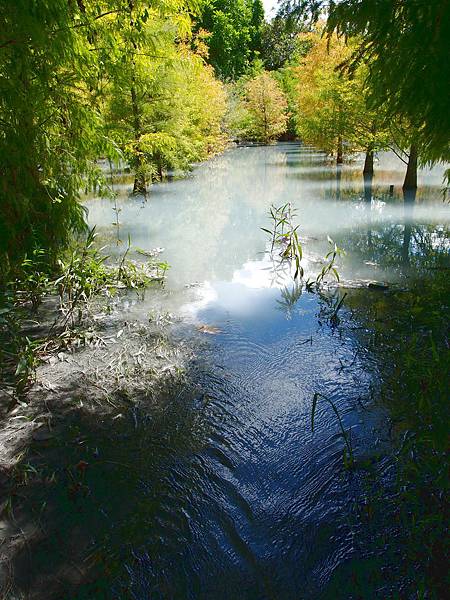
x=406 y=46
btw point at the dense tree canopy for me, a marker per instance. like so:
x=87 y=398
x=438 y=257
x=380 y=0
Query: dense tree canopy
x=332 y=108
x=234 y=40
x=85 y=79
x=261 y=112
x=89 y=79
x=279 y=42
x=49 y=120
x=163 y=104
x=406 y=45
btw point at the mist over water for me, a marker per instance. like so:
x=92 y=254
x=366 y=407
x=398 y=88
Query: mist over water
x=209 y=222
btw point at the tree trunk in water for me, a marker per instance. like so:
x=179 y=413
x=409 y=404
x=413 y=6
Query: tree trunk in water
x=368 y=175
x=340 y=152
x=369 y=238
x=406 y=243
x=140 y=184
x=368 y=179
x=368 y=188
x=410 y=182
x=368 y=163
x=409 y=198
x=338 y=181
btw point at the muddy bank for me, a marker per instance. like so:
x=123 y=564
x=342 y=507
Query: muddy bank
x=125 y=374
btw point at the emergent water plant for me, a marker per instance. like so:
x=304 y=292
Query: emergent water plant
x=80 y=275
x=349 y=458
x=286 y=248
x=284 y=238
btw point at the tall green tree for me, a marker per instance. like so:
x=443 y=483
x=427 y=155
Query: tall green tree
x=180 y=106
x=332 y=109
x=279 y=42
x=235 y=28
x=133 y=45
x=49 y=122
x=67 y=67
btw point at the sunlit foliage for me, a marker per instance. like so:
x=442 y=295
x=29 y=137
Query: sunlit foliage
x=332 y=110
x=49 y=123
x=261 y=114
x=234 y=39
x=163 y=107
x=406 y=45
x=85 y=79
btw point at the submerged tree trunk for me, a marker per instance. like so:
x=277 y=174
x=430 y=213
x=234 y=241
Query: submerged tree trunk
x=368 y=175
x=409 y=197
x=340 y=151
x=407 y=232
x=368 y=163
x=338 y=181
x=368 y=185
x=140 y=184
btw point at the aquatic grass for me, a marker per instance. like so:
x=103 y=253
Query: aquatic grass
x=284 y=237
x=334 y=318
x=329 y=267
x=87 y=274
x=420 y=407
x=286 y=250
x=81 y=275
x=349 y=458
x=413 y=345
x=285 y=247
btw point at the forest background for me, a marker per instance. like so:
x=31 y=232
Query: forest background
x=162 y=85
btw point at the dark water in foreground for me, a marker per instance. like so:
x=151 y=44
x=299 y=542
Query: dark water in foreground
x=223 y=492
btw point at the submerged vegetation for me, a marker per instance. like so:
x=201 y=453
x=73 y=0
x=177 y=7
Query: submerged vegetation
x=415 y=342
x=348 y=455
x=413 y=345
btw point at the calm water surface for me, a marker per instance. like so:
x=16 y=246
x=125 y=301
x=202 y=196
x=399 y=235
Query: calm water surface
x=232 y=496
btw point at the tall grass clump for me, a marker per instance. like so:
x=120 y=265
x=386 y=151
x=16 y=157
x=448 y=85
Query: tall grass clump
x=286 y=248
